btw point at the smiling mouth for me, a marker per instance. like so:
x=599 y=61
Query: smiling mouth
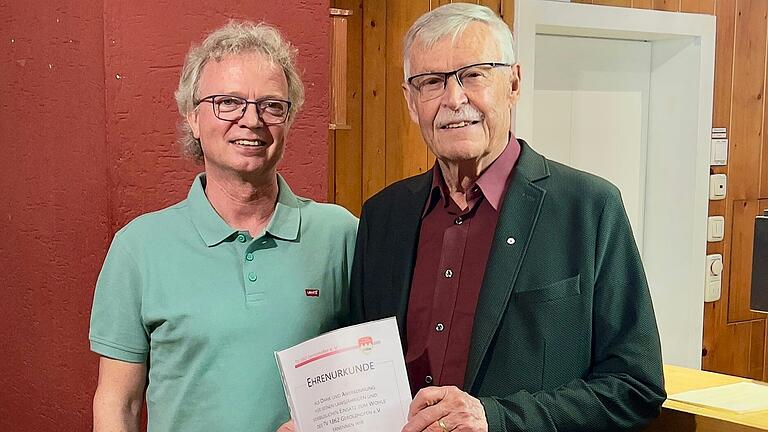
x=250 y=143
x=460 y=124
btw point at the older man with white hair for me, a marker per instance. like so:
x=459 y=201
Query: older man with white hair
x=193 y=300
x=518 y=288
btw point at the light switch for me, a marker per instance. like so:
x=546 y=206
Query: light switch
x=715 y=228
x=719 y=152
x=714 y=277
x=717 y=186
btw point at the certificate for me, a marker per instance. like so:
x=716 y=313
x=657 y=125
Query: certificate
x=351 y=379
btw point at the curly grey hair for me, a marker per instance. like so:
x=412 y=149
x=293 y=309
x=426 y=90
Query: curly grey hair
x=451 y=20
x=236 y=37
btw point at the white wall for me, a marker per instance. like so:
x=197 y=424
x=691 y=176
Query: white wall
x=627 y=94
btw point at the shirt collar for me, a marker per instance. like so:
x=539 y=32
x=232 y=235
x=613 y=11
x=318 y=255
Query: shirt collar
x=286 y=220
x=492 y=182
x=213 y=230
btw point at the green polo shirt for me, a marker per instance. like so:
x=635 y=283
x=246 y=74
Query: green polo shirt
x=206 y=306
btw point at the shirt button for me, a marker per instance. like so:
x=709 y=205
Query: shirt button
x=249 y=256
x=439 y=327
x=428 y=379
x=449 y=273
x=241 y=238
x=458 y=221
x=252 y=277
x=510 y=240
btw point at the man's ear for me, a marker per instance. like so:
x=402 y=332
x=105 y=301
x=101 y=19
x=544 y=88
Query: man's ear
x=514 y=83
x=409 y=99
x=194 y=123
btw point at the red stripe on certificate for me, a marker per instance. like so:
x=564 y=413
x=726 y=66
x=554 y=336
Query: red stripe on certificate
x=324 y=355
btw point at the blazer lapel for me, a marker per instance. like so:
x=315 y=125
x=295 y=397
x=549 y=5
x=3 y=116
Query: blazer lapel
x=517 y=220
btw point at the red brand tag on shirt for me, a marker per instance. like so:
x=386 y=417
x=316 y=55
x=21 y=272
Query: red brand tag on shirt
x=312 y=292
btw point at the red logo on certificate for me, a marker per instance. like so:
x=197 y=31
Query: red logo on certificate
x=312 y=292
x=365 y=344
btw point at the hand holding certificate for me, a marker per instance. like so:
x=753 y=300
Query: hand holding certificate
x=351 y=379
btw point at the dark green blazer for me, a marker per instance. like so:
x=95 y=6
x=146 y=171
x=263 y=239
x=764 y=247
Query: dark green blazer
x=564 y=337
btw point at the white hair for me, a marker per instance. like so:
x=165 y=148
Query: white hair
x=451 y=20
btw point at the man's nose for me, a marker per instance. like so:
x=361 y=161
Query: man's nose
x=251 y=118
x=454 y=95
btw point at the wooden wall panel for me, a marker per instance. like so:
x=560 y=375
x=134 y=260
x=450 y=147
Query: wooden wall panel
x=757 y=360
x=742 y=237
x=508 y=13
x=730 y=348
x=698 y=6
x=642 y=4
x=620 y=3
x=331 y=165
x=667 y=5
x=347 y=154
x=747 y=118
x=735 y=337
x=494 y=5
x=725 y=13
x=764 y=164
x=406 y=152
x=733 y=345
x=715 y=314
x=374 y=96
x=763 y=192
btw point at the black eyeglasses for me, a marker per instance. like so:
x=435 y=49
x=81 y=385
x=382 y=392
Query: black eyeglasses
x=232 y=108
x=431 y=85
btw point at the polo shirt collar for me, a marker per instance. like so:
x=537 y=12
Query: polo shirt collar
x=286 y=220
x=213 y=230
x=211 y=227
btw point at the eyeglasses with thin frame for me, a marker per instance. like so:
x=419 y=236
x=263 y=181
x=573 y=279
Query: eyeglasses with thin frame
x=232 y=108
x=432 y=85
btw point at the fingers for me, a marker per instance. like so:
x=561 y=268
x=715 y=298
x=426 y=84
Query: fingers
x=427 y=397
x=427 y=419
x=441 y=409
x=287 y=427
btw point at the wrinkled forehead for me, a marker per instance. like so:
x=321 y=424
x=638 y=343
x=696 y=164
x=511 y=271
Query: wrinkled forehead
x=475 y=44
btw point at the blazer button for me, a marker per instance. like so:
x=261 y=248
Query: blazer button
x=428 y=379
x=439 y=327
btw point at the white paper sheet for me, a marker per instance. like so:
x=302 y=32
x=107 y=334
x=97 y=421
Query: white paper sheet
x=741 y=397
x=351 y=379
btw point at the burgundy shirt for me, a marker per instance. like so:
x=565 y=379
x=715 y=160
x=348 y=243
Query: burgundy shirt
x=450 y=262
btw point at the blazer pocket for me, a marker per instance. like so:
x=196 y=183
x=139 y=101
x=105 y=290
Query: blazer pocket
x=561 y=289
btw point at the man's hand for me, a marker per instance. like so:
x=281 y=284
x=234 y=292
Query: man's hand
x=287 y=427
x=441 y=409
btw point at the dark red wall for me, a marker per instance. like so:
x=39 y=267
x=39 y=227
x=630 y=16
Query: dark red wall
x=82 y=152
